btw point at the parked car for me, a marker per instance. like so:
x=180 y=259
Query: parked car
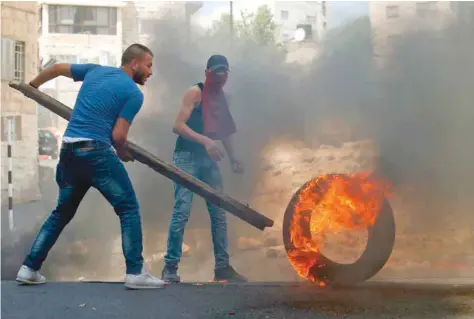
x=48 y=143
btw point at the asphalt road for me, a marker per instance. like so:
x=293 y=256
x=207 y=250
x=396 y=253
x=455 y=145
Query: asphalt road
x=377 y=300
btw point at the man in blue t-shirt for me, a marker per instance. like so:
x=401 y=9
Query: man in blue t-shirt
x=106 y=105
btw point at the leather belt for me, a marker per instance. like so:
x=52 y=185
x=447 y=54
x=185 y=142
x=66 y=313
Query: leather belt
x=82 y=144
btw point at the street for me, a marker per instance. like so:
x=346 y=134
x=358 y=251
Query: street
x=375 y=300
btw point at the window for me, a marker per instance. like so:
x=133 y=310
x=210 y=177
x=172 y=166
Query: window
x=16 y=127
x=19 y=71
x=284 y=15
x=426 y=9
x=392 y=12
x=7 y=59
x=13 y=60
x=311 y=19
x=82 y=20
x=65 y=58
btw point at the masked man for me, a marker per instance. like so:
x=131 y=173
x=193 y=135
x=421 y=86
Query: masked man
x=204 y=119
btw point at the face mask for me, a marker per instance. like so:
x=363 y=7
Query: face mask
x=216 y=79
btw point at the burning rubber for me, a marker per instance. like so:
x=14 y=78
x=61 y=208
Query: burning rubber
x=329 y=204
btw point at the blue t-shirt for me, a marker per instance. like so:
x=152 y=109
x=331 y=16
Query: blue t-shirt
x=106 y=94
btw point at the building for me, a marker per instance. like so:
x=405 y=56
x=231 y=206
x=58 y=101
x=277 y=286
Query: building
x=77 y=32
x=19 y=59
x=389 y=19
x=312 y=16
x=140 y=17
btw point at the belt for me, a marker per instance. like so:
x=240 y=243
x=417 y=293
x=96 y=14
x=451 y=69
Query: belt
x=83 y=144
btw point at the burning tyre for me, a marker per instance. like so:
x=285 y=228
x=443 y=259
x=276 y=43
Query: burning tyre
x=329 y=204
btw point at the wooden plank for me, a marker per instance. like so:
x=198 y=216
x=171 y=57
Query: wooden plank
x=226 y=202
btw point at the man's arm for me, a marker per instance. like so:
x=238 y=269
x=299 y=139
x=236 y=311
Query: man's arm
x=124 y=121
x=229 y=148
x=190 y=99
x=77 y=72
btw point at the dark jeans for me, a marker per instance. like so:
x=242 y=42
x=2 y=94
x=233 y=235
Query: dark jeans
x=80 y=167
x=205 y=169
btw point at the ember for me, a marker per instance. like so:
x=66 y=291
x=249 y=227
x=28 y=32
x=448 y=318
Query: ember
x=326 y=205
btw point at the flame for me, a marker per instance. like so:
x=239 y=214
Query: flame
x=329 y=204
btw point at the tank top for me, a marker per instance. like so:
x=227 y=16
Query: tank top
x=196 y=123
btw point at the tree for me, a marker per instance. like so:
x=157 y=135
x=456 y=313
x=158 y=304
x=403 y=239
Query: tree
x=258 y=28
x=221 y=26
x=263 y=27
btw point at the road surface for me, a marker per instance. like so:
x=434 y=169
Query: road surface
x=377 y=300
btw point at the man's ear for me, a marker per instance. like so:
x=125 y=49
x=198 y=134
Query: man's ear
x=134 y=64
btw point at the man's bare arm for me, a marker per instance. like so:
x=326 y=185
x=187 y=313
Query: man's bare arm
x=120 y=132
x=190 y=99
x=229 y=147
x=51 y=73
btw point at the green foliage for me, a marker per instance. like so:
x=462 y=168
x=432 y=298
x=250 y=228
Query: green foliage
x=258 y=28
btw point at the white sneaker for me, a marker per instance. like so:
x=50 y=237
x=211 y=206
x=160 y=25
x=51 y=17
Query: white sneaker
x=143 y=281
x=28 y=276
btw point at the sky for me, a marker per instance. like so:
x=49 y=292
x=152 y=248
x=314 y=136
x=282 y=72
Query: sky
x=339 y=10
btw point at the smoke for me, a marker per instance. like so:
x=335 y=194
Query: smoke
x=423 y=128
x=419 y=113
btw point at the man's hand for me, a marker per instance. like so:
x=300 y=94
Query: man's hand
x=125 y=155
x=213 y=151
x=237 y=166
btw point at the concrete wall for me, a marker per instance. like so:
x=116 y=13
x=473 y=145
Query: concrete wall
x=20 y=23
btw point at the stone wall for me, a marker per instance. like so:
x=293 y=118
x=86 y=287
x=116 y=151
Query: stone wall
x=20 y=23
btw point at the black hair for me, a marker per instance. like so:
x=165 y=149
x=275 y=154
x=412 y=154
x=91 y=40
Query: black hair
x=134 y=51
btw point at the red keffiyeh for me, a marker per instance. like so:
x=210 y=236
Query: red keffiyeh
x=218 y=121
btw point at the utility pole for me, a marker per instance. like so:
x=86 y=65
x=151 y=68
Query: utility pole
x=231 y=22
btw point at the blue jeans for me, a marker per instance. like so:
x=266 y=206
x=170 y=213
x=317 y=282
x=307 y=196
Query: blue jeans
x=205 y=169
x=78 y=169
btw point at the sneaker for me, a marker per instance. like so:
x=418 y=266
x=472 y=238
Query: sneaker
x=169 y=274
x=28 y=276
x=228 y=274
x=143 y=281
